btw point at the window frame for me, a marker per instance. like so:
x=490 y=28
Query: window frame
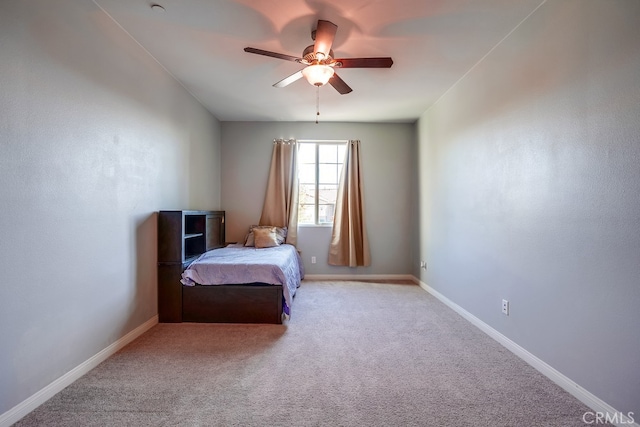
x=316 y=204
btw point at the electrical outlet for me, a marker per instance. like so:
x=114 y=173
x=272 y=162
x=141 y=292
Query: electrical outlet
x=313 y=260
x=423 y=265
x=505 y=307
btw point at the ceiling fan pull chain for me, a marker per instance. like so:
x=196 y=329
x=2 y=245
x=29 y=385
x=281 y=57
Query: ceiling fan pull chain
x=317 y=103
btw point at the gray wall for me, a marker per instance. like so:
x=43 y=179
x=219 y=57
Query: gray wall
x=387 y=164
x=529 y=185
x=94 y=138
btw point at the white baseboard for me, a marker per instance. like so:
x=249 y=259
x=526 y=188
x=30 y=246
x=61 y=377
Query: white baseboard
x=360 y=277
x=14 y=414
x=584 y=396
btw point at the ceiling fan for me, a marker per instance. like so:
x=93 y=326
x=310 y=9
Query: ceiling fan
x=319 y=60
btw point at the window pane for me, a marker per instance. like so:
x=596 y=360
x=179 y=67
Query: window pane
x=306 y=214
x=325 y=214
x=328 y=174
x=341 y=152
x=327 y=193
x=307 y=173
x=307 y=153
x=328 y=153
x=319 y=168
x=307 y=194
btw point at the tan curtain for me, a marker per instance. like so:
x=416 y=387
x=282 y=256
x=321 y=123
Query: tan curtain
x=280 y=206
x=349 y=242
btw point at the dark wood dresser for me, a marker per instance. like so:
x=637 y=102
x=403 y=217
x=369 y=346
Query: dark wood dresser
x=182 y=237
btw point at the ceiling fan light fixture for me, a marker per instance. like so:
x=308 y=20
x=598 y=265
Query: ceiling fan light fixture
x=318 y=75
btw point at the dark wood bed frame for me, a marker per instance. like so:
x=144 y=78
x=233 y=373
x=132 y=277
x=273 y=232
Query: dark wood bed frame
x=184 y=235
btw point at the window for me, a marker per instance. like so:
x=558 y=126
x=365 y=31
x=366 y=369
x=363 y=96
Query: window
x=319 y=168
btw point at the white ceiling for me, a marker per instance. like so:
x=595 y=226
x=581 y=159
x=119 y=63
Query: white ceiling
x=433 y=43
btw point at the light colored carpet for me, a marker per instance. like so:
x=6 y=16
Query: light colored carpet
x=353 y=354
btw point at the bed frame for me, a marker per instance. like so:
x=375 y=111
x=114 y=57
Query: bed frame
x=178 y=234
x=253 y=303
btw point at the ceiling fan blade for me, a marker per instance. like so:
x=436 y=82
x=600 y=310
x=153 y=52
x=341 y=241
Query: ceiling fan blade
x=288 y=80
x=272 y=54
x=325 y=32
x=384 y=62
x=339 y=84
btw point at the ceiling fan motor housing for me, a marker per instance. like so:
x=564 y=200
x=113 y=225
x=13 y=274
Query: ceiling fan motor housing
x=310 y=57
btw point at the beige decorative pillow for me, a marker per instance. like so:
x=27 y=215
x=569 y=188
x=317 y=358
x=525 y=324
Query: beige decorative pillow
x=265 y=237
x=281 y=234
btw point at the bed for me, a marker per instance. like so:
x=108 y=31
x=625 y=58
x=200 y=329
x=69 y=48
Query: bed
x=241 y=284
x=201 y=278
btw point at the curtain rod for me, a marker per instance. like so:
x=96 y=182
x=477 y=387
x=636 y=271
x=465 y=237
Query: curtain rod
x=311 y=141
x=325 y=141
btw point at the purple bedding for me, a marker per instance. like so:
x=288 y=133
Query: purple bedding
x=237 y=264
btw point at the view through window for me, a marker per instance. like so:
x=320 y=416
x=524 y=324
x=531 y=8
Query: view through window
x=319 y=168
